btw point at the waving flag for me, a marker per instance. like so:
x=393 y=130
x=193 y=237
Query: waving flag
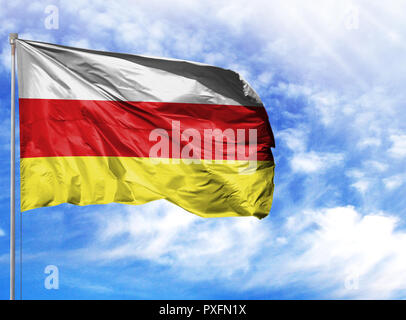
x=101 y=127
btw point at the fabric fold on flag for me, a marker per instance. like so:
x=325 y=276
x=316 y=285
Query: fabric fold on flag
x=101 y=127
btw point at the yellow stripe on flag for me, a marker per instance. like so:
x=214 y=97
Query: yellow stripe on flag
x=208 y=189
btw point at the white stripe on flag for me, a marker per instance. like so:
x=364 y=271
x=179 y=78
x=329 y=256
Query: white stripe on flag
x=48 y=71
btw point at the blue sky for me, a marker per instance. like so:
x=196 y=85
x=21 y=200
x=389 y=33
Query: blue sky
x=332 y=76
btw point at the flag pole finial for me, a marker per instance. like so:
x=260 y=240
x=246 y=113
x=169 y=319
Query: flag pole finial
x=13 y=37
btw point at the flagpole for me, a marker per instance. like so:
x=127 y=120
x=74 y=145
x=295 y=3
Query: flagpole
x=12 y=37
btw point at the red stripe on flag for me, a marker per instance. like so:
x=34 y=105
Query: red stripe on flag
x=57 y=128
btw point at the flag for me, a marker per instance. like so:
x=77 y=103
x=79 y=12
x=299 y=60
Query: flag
x=100 y=127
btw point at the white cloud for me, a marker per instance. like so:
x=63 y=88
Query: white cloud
x=294 y=138
x=394 y=182
x=5 y=57
x=312 y=162
x=352 y=242
x=168 y=235
x=361 y=185
x=327 y=104
x=302 y=161
x=313 y=248
x=327 y=247
x=2 y=233
x=398 y=148
x=376 y=165
x=369 y=142
x=367 y=176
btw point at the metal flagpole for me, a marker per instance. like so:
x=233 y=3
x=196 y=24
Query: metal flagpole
x=13 y=37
